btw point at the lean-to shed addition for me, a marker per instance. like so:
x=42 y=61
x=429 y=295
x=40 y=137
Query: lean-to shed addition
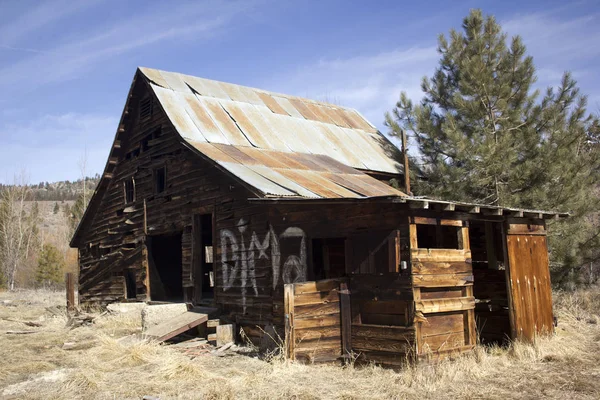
x=277 y=211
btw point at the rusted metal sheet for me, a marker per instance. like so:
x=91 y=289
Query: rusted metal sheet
x=241 y=116
x=285 y=130
x=206 y=87
x=293 y=174
x=202 y=119
x=155 y=76
x=333 y=113
x=256 y=180
x=288 y=107
x=224 y=122
x=267 y=158
x=318 y=111
x=175 y=110
x=234 y=92
x=252 y=133
x=530 y=290
x=271 y=103
x=303 y=109
x=283 y=181
x=176 y=82
x=256 y=114
x=251 y=95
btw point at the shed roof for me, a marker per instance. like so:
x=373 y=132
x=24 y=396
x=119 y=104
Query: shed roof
x=207 y=111
x=297 y=175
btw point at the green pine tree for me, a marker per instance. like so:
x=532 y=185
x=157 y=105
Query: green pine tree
x=50 y=267
x=485 y=135
x=56 y=208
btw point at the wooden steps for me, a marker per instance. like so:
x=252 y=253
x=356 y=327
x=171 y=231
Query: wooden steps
x=180 y=323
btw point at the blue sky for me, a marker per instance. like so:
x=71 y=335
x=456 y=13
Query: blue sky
x=66 y=66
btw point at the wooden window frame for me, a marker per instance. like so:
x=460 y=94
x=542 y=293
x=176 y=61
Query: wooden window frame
x=155 y=183
x=461 y=225
x=125 y=197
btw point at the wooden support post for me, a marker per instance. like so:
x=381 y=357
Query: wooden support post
x=406 y=167
x=70 y=284
x=225 y=334
x=489 y=246
x=288 y=293
x=346 y=317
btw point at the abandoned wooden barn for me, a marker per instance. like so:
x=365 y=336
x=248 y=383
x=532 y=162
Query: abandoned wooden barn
x=277 y=210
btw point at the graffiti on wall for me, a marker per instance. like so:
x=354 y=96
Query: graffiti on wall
x=241 y=250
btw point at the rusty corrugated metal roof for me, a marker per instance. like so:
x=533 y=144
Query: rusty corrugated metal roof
x=243 y=116
x=281 y=145
x=285 y=174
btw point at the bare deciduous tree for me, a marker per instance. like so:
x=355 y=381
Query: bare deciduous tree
x=18 y=229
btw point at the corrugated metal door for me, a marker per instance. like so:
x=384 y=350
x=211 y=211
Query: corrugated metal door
x=529 y=277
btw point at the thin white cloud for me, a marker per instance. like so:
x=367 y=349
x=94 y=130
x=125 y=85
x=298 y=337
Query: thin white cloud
x=52 y=144
x=39 y=16
x=369 y=83
x=557 y=43
x=167 y=22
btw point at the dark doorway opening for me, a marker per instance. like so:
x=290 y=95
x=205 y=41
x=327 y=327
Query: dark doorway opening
x=204 y=279
x=490 y=284
x=166 y=276
x=329 y=258
x=130 y=284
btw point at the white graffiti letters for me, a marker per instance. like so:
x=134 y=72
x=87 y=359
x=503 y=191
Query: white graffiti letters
x=239 y=259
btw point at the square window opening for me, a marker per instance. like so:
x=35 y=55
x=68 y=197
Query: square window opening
x=438 y=236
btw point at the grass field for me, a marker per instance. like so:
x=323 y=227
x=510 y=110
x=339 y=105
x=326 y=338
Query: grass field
x=38 y=366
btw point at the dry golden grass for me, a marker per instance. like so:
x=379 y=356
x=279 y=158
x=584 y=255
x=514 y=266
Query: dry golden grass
x=35 y=366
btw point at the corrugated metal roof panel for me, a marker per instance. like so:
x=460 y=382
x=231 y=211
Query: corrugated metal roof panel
x=155 y=76
x=335 y=117
x=172 y=105
x=271 y=103
x=234 y=92
x=255 y=113
x=206 y=87
x=242 y=116
x=202 y=119
x=292 y=174
x=281 y=180
x=256 y=180
x=303 y=109
x=176 y=82
x=288 y=107
x=224 y=121
x=318 y=111
x=246 y=124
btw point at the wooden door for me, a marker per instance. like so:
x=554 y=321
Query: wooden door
x=529 y=285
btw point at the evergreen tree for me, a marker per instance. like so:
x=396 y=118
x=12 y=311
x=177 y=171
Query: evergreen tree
x=485 y=135
x=56 y=208
x=50 y=267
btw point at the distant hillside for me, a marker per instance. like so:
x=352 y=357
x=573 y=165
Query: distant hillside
x=62 y=190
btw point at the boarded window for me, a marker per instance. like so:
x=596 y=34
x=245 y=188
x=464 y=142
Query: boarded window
x=129 y=188
x=145 y=108
x=160 y=180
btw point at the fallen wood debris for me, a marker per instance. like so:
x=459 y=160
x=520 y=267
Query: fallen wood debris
x=28 y=323
x=20 y=332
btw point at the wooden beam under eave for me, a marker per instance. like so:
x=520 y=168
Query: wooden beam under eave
x=421 y=204
x=108 y=175
x=117 y=144
x=515 y=213
x=449 y=207
x=492 y=211
x=113 y=160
